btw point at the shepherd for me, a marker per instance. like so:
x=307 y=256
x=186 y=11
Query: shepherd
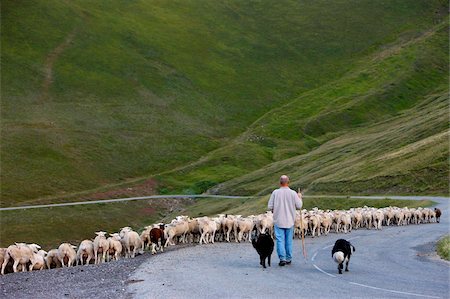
x=283 y=202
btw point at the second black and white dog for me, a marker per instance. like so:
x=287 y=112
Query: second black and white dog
x=263 y=243
x=341 y=253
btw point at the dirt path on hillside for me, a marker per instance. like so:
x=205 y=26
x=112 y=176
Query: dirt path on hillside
x=50 y=62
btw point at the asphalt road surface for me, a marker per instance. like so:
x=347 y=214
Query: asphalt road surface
x=396 y=262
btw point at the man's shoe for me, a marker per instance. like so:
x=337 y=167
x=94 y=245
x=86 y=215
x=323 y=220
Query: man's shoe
x=282 y=263
x=288 y=262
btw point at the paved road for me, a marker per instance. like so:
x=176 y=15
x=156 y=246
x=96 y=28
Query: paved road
x=90 y=202
x=392 y=263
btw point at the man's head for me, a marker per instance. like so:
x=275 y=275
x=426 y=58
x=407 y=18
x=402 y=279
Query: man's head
x=284 y=180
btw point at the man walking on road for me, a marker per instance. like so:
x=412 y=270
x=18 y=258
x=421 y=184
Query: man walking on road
x=283 y=203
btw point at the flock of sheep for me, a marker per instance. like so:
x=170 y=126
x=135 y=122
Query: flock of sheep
x=128 y=243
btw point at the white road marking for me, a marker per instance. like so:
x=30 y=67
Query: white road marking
x=324 y=272
x=364 y=285
x=392 y=291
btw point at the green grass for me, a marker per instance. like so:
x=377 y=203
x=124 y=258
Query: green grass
x=443 y=248
x=382 y=128
x=51 y=226
x=147 y=87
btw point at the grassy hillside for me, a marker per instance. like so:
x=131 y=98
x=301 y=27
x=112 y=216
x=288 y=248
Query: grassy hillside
x=98 y=93
x=381 y=128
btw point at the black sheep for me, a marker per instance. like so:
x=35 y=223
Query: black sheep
x=438 y=214
x=341 y=253
x=263 y=243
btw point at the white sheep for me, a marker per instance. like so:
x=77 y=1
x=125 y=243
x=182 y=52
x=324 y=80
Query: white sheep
x=145 y=237
x=265 y=222
x=244 y=226
x=101 y=246
x=67 y=254
x=228 y=225
x=38 y=260
x=131 y=242
x=115 y=246
x=207 y=228
x=21 y=253
x=52 y=259
x=378 y=217
x=178 y=228
x=85 y=251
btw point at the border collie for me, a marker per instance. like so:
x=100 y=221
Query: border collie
x=341 y=253
x=263 y=243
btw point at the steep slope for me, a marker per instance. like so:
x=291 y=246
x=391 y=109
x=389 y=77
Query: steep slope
x=408 y=73
x=97 y=93
x=406 y=154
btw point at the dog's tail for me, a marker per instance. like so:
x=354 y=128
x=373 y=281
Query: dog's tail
x=354 y=249
x=338 y=257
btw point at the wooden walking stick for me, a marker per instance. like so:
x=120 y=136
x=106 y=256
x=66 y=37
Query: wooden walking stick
x=305 y=255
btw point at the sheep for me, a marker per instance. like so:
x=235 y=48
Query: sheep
x=2 y=255
x=346 y=221
x=157 y=239
x=114 y=247
x=367 y=216
x=67 y=254
x=417 y=216
x=131 y=242
x=357 y=219
x=266 y=223
x=101 y=245
x=9 y=265
x=207 y=228
x=327 y=220
x=378 y=218
x=438 y=214
x=176 y=229
x=193 y=230
x=52 y=259
x=426 y=215
x=218 y=234
x=389 y=216
x=228 y=226
x=85 y=251
x=432 y=216
x=408 y=215
x=38 y=260
x=314 y=224
x=244 y=226
x=300 y=224
x=21 y=253
x=145 y=237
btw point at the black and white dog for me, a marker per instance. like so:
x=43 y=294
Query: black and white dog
x=263 y=243
x=341 y=253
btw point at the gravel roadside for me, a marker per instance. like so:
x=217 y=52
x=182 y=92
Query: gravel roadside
x=108 y=280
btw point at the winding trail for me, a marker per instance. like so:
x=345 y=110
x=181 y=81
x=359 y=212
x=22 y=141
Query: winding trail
x=50 y=61
x=396 y=262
